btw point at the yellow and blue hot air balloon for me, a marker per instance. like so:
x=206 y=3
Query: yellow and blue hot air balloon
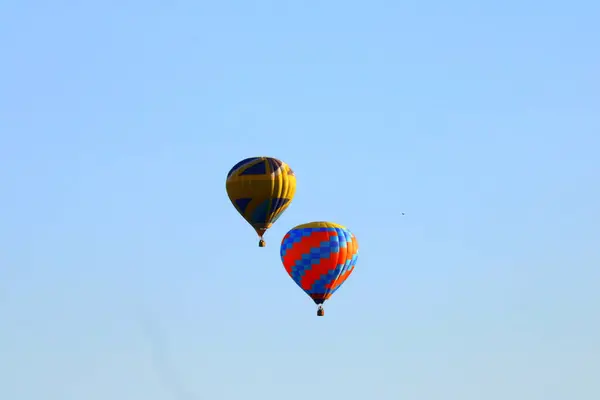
x=261 y=189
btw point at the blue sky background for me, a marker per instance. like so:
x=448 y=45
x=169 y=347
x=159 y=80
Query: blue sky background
x=127 y=274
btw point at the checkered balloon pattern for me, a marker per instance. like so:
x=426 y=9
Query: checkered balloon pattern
x=319 y=257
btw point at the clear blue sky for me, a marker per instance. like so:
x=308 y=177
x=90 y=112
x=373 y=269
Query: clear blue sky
x=127 y=274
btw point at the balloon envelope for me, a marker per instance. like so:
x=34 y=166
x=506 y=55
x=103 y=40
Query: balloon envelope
x=319 y=257
x=261 y=189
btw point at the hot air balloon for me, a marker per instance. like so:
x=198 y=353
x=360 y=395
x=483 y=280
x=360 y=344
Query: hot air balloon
x=319 y=257
x=261 y=189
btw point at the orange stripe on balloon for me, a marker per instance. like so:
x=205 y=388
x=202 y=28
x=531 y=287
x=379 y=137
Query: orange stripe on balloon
x=350 y=251
x=294 y=254
x=324 y=266
x=341 y=279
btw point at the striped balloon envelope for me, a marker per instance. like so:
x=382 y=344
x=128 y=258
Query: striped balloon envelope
x=319 y=257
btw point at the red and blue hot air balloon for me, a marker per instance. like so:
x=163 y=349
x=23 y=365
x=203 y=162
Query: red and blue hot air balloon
x=319 y=257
